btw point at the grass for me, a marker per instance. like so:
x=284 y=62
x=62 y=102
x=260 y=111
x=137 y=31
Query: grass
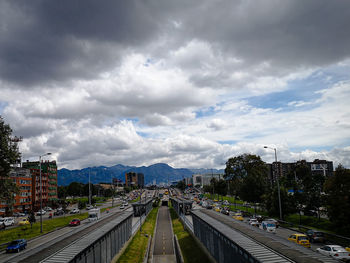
x=48 y=225
x=191 y=252
x=310 y=222
x=137 y=248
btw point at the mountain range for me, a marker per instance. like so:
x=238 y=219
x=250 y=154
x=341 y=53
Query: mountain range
x=156 y=173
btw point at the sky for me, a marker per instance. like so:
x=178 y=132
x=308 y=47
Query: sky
x=187 y=83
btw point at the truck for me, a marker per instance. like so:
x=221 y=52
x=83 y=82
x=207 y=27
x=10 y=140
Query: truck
x=94 y=214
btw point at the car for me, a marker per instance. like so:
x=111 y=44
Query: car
x=252 y=220
x=347 y=248
x=268 y=226
x=238 y=216
x=58 y=212
x=88 y=207
x=122 y=207
x=75 y=211
x=19 y=214
x=16 y=245
x=47 y=209
x=41 y=212
x=24 y=221
x=7 y=221
x=225 y=211
x=335 y=251
x=74 y=222
x=273 y=221
x=217 y=209
x=300 y=239
x=315 y=236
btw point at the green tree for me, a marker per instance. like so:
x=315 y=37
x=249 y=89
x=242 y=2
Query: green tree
x=75 y=189
x=249 y=176
x=337 y=190
x=181 y=185
x=9 y=156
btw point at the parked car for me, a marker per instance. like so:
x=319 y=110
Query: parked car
x=24 y=221
x=74 y=222
x=75 y=211
x=48 y=209
x=19 y=214
x=58 y=212
x=315 y=236
x=122 y=207
x=7 y=221
x=16 y=245
x=41 y=212
x=335 y=251
x=300 y=239
x=88 y=207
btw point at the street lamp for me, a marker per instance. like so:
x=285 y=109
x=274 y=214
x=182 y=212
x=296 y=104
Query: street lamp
x=277 y=179
x=41 y=193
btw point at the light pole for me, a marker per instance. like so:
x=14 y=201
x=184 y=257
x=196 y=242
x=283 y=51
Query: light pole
x=277 y=179
x=41 y=193
x=89 y=189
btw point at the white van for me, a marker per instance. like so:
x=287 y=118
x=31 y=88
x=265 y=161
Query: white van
x=268 y=226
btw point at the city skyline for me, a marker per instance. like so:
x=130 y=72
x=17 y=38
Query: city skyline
x=140 y=83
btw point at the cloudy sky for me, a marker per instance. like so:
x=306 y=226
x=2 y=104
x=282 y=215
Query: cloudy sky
x=188 y=83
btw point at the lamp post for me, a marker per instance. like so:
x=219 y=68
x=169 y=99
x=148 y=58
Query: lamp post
x=41 y=193
x=277 y=179
x=89 y=189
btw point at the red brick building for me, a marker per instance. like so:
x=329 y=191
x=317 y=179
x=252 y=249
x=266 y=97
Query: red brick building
x=23 y=200
x=48 y=179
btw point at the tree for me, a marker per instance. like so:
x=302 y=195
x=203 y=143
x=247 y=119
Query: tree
x=311 y=187
x=9 y=156
x=249 y=174
x=181 y=185
x=337 y=190
x=75 y=189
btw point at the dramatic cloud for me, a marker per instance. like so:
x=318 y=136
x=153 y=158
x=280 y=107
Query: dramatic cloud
x=189 y=84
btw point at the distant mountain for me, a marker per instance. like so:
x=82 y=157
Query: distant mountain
x=159 y=173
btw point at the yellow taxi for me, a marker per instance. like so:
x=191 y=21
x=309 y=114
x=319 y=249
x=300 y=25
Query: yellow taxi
x=238 y=216
x=217 y=209
x=24 y=222
x=347 y=248
x=300 y=239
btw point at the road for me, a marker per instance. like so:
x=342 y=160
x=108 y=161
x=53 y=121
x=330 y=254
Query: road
x=164 y=244
x=44 y=245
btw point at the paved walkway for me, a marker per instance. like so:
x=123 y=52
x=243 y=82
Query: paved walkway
x=164 y=238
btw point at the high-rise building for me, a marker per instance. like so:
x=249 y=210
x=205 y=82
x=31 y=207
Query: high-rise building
x=48 y=182
x=322 y=167
x=134 y=179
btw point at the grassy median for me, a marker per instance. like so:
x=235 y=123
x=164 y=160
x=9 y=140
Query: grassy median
x=191 y=252
x=27 y=232
x=137 y=248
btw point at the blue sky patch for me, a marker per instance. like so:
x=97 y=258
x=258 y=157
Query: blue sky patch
x=3 y=105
